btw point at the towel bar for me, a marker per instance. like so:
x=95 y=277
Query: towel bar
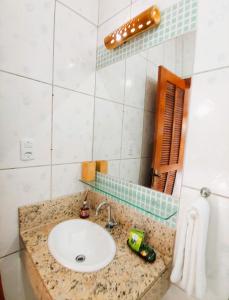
x=205 y=192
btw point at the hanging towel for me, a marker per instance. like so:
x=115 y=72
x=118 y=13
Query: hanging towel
x=189 y=267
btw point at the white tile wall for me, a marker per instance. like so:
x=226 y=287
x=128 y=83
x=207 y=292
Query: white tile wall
x=132 y=132
x=107 y=130
x=140 y=5
x=86 y=8
x=177 y=54
x=156 y=54
x=110 y=82
x=26 y=41
x=188 y=54
x=28 y=110
x=135 y=81
x=113 y=168
x=107 y=9
x=206 y=157
x=65 y=179
x=25 y=112
x=14 y=278
x=151 y=86
x=170 y=55
x=212 y=44
x=72 y=126
x=206 y=160
x=129 y=169
x=19 y=187
x=75 y=51
x=148 y=134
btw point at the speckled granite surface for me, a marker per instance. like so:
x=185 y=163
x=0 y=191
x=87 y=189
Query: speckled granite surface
x=159 y=235
x=126 y=277
x=49 y=211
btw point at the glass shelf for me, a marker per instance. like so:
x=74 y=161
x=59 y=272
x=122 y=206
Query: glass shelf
x=149 y=201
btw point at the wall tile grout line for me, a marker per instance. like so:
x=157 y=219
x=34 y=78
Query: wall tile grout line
x=93 y=122
x=72 y=90
x=210 y=70
x=144 y=119
x=129 y=105
x=123 y=115
x=117 y=13
x=25 y=77
x=77 y=13
x=81 y=92
x=11 y=253
x=53 y=70
x=25 y=167
x=67 y=163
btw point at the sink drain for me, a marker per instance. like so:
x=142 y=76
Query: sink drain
x=80 y=258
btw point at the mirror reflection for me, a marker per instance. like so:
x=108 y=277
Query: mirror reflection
x=141 y=113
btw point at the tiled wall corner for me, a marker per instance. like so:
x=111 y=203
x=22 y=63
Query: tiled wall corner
x=47 y=83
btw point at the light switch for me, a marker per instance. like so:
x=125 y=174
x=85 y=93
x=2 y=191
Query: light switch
x=27 y=151
x=130 y=147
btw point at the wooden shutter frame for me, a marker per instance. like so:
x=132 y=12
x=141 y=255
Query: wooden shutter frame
x=184 y=84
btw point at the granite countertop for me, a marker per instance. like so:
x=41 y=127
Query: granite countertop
x=126 y=277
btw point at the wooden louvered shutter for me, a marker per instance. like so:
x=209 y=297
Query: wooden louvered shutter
x=170 y=127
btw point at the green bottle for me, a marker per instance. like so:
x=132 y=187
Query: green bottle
x=147 y=252
x=137 y=244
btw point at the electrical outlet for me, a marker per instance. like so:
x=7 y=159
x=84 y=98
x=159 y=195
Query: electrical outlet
x=27 y=151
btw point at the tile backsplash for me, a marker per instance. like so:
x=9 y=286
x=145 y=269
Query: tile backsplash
x=176 y=20
x=158 y=206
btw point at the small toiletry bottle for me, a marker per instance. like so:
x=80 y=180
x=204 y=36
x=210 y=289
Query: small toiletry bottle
x=137 y=244
x=84 y=211
x=147 y=252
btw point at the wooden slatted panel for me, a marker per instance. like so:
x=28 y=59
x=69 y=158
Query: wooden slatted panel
x=166 y=180
x=171 y=177
x=177 y=126
x=161 y=183
x=168 y=123
x=171 y=116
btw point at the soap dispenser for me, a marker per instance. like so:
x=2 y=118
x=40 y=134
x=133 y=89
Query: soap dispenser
x=84 y=210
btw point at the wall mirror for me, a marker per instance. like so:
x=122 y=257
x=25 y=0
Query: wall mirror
x=145 y=106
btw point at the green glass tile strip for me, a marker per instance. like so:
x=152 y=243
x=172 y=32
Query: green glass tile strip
x=176 y=20
x=151 y=203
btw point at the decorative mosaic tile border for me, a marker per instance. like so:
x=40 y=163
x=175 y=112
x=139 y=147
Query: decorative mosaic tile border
x=143 y=199
x=176 y=20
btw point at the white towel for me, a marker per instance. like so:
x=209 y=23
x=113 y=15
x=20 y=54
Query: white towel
x=189 y=267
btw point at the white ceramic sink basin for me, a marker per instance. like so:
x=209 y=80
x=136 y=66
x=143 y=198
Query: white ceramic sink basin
x=81 y=245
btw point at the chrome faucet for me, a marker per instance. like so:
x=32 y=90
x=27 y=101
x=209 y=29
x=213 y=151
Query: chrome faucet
x=111 y=221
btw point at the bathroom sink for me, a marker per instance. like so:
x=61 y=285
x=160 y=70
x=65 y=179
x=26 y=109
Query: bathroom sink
x=81 y=245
